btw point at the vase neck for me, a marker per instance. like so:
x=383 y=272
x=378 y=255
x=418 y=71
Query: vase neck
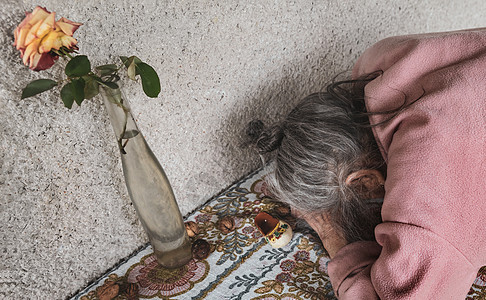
x=120 y=115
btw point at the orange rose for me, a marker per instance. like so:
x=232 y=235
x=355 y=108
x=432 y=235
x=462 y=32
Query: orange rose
x=38 y=34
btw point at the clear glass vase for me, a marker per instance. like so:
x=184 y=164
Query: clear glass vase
x=148 y=186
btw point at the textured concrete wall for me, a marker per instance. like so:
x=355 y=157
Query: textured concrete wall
x=65 y=216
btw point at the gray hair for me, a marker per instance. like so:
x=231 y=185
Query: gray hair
x=318 y=145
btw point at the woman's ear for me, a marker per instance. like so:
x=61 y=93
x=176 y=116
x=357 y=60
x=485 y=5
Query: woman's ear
x=368 y=183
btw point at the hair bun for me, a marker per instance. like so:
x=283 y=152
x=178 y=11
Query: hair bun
x=265 y=139
x=255 y=129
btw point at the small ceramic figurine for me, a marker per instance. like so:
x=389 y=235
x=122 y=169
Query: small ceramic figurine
x=276 y=232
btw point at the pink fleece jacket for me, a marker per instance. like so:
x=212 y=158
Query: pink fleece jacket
x=432 y=240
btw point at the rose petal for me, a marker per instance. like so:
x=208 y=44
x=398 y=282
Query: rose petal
x=46 y=26
x=68 y=26
x=31 y=35
x=58 y=41
x=34 y=60
x=39 y=13
x=22 y=34
x=42 y=61
x=31 y=49
x=68 y=41
x=19 y=35
x=25 y=21
x=49 y=41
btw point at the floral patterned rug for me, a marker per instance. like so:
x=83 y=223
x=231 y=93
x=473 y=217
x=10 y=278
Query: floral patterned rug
x=241 y=264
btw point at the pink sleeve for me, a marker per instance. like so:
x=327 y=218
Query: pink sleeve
x=413 y=264
x=429 y=245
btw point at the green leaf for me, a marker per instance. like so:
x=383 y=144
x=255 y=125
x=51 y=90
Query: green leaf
x=130 y=134
x=111 y=67
x=67 y=95
x=113 y=78
x=124 y=60
x=128 y=61
x=111 y=85
x=107 y=69
x=91 y=87
x=150 y=80
x=132 y=71
x=78 y=90
x=37 y=86
x=98 y=79
x=78 y=66
x=73 y=91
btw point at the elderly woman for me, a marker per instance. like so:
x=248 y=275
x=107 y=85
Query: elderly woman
x=413 y=135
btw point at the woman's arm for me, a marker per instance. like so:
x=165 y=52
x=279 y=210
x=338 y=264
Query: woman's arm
x=332 y=240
